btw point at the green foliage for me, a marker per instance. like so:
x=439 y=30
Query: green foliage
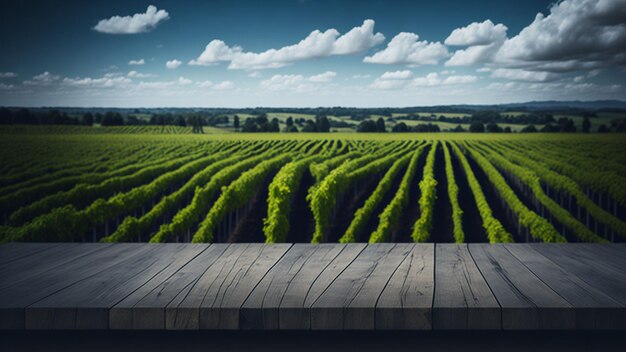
x=428 y=189
x=494 y=229
x=389 y=217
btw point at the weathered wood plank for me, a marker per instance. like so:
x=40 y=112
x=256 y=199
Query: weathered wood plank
x=16 y=250
x=215 y=299
x=328 y=261
x=406 y=302
x=23 y=269
x=593 y=308
x=463 y=299
x=527 y=302
x=591 y=271
x=220 y=308
x=350 y=301
x=13 y=301
x=260 y=310
x=145 y=307
x=86 y=304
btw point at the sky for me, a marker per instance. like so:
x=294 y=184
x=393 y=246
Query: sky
x=309 y=53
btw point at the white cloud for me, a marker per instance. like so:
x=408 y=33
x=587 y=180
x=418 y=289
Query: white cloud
x=388 y=84
x=405 y=48
x=7 y=74
x=184 y=81
x=254 y=74
x=316 y=45
x=483 y=33
x=522 y=75
x=135 y=74
x=323 y=77
x=392 y=80
x=465 y=79
x=406 y=74
x=173 y=64
x=104 y=82
x=576 y=35
x=433 y=79
x=43 y=79
x=402 y=79
x=358 y=40
x=361 y=76
x=137 y=23
x=6 y=86
x=298 y=83
x=225 y=85
x=204 y=84
x=215 y=52
x=484 y=40
x=137 y=62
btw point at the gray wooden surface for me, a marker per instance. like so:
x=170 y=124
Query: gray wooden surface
x=389 y=286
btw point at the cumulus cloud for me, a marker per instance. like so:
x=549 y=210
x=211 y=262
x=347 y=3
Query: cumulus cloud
x=103 y=82
x=397 y=75
x=135 y=74
x=316 y=45
x=576 y=35
x=173 y=64
x=184 y=81
x=323 y=77
x=522 y=75
x=433 y=79
x=137 y=62
x=483 y=33
x=392 y=80
x=484 y=40
x=43 y=79
x=405 y=48
x=403 y=79
x=6 y=86
x=7 y=74
x=224 y=85
x=137 y=23
x=298 y=83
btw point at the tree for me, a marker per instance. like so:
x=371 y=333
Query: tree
x=289 y=121
x=529 y=129
x=586 y=124
x=309 y=126
x=291 y=128
x=274 y=126
x=507 y=129
x=236 y=122
x=458 y=128
x=367 y=126
x=380 y=125
x=400 y=127
x=111 y=118
x=249 y=126
x=86 y=119
x=477 y=127
x=180 y=121
x=493 y=127
x=322 y=124
x=603 y=129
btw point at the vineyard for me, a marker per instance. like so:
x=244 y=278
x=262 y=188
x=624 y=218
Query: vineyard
x=327 y=188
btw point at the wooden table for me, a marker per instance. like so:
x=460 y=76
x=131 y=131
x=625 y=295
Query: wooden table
x=394 y=286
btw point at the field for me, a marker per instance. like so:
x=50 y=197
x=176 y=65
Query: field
x=116 y=187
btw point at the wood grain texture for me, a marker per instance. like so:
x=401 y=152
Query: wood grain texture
x=463 y=299
x=390 y=286
x=526 y=301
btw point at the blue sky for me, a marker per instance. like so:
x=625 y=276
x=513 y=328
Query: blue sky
x=310 y=53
